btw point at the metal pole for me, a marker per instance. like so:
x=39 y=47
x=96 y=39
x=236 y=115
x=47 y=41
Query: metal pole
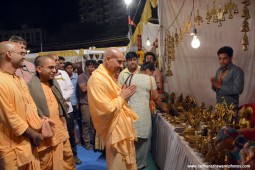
x=41 y=47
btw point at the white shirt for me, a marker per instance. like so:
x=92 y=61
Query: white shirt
x=66 y=87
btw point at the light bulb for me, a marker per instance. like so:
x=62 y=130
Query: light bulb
x=127 y=2
x=148 y=43
x=195 y=43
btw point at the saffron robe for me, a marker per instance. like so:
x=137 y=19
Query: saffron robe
x=15 y=105
x=55 y=153
x=113 y=119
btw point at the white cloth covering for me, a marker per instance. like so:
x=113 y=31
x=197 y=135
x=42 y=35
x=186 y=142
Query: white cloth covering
x=66 y=86
x=193 y=68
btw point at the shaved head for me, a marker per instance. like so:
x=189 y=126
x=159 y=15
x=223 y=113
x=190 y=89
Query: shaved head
x=45 y=68
x=113 y=60
x=40 y=60
x=11 y=56
x=7 y=46
x=111 y=52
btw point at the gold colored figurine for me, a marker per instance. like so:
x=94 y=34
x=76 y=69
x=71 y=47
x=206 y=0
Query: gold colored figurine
x=231 y=115
x=245 y=114
x=212 y=154
x=172 y=98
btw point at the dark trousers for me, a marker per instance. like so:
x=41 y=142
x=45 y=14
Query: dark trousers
x=75 y=115
x=88 y=130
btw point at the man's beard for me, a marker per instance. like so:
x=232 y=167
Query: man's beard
x=132 y=68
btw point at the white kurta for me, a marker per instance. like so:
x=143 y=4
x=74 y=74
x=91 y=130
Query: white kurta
x=139 y=102
x=66 y=87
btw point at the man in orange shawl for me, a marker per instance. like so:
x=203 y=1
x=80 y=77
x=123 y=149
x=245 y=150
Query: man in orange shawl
x=19 y=121
x=112 y=117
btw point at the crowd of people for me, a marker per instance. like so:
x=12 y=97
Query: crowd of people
x=41 y=102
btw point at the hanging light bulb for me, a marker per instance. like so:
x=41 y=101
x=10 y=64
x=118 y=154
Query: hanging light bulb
x=148 y=43
x=128 y=2
x=195 y=43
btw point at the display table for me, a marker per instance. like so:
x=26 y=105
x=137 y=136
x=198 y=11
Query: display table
x=169 y=150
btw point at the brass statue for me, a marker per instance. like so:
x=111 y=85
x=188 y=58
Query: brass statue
x=211 y=155
x=245 y=115
x=172 y=98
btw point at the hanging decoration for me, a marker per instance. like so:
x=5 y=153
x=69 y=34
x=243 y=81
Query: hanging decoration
x=198 y=19
x=170 y=52
x=229 y=8
x=245 y=25
x=208 y=15
x=218 y=15
x=176 y=38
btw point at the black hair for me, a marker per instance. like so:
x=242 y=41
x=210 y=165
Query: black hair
x=99 y=62
x=61 y=58
x=147 y=65
x=130 y=55
x=152 y=54
x=68 y=64
x=90 y=62
x=38 y=60
x=18 y=39
x=226 y=50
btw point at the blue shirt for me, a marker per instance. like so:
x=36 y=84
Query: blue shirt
x=74 y=97
x=232 y=84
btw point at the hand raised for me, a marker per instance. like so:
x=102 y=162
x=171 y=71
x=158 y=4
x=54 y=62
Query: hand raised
x=127 y=92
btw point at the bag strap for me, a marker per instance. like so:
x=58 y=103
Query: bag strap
x=128 y=78
x=151 y=87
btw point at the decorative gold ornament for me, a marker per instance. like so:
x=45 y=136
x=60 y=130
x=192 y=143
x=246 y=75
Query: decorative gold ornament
x=214 y=13
x=245 y=26
x=220 y=15
x=229 y=8
x=176 y=38
x=180 y=35
x=198 y=19
x=246 y=12
x=247 y=2
x=169 y=72
x=245 y=42
x=169 y=51
x=245 y=115
x=208 y=15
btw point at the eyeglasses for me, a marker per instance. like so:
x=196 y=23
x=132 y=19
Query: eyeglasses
x=50 y=67
x=20 y=53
